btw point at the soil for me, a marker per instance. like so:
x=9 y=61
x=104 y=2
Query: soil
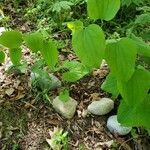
x=26 y=120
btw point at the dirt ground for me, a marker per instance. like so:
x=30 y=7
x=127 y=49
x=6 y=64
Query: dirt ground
x=25 y=120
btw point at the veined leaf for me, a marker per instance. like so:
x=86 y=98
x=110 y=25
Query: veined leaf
x=89 y=45
x=76 y=71
x=142 y=19
x=136 y=89
x=110 y=85
x=64 y=95
x=103 y=9
x=121 y=58
x=49 y=53
x=138 y=115
x=129 y=2
x=76 y=25
x=2 y=56
x=134 y=110
x=62 y=5
x=143 y=48
x=34 y=41
x=11 y=39
x=15 y=55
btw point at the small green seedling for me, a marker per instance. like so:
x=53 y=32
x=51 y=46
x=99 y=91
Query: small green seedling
x=64 y=95
x=59 y=139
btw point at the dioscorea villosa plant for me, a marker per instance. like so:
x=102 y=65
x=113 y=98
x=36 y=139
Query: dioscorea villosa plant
x=132 y=81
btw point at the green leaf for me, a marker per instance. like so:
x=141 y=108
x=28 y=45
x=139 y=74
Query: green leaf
x=76 y=71
x=110 y=85
x=143 y=19
x=76 y=25
x=34 y=41
x=146 y=35
x=129 y=2
x=15 y=55
x=11 y=39
x=121 y=58
x=103 y=9
x=2 y=57
x=143 y=48
x=138 y=115
x=62 y=5
x=64 y=95
x=89 y=45
x=135 y=107
x=49 y=53
x=136 y=89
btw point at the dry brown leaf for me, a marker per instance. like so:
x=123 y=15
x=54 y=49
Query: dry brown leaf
x=10 y=91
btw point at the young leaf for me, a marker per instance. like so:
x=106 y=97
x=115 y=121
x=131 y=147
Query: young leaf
x=34 y=41
x=2 y=56
x=49 y=53
x=89 y=45
x=103 y=9
x=64 y=95
x=15 y=55
x=110 y=85
x=121 y=58
x=76 y=71
x=76 y=25
x=11 y=39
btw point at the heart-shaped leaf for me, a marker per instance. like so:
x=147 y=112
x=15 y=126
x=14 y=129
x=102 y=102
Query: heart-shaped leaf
x=103 y=9
x=89 y=45
x=11 y=39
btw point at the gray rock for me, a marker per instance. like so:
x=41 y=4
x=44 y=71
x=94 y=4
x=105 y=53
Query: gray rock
x=115 y=127
x=55 y=82
x=66 y=109
x=101 y=107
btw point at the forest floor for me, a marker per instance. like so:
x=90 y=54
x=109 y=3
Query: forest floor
x=25 y=119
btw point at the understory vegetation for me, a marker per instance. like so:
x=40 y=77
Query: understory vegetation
x=74 y=74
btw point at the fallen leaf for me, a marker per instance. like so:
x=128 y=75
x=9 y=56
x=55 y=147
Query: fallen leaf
x=10 y=91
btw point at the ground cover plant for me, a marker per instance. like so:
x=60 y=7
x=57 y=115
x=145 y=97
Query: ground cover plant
x=118 y=63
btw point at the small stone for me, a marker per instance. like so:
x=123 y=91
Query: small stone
x=55 y=82
x=101 y=107
x=66 y=109
x=115 y=127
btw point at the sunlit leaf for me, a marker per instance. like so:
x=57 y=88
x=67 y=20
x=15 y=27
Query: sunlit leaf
x=2 y=56
x=121 y=57
x=103 y=9
x=76 y=25
x=15 y=55
x=89 y=45
x=11 y=39
x=110 y=85
x=75 y=71
x=34 y=41
x=49 y=53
